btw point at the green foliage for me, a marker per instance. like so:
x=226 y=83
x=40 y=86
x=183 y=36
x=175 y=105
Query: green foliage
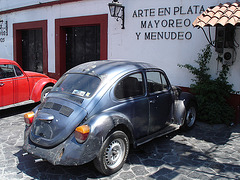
x=211 y=93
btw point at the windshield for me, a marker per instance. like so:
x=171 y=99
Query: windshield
x=78 y=84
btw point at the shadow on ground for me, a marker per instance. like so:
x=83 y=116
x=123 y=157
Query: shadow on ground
x=17 y=110
x=45 y=170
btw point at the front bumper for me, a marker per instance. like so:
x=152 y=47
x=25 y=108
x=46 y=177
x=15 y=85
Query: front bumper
x=67 y=153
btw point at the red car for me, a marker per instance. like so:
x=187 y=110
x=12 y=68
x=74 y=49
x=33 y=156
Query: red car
x=17 y=85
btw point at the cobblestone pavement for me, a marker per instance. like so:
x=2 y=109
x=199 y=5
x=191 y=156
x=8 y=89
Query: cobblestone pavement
x=205 y=152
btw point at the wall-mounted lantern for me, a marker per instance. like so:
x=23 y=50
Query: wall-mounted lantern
x=117 y=10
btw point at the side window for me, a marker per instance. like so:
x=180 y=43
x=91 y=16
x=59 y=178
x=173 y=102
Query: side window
x=2 y=74
x=18 y=71
x=164 y=82
x=156 y=82
x=6 y=71
x=130 y=86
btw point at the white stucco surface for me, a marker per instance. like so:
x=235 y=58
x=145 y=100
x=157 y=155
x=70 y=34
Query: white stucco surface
x=145 y=22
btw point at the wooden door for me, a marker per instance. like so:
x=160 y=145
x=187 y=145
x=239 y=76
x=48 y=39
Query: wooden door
x=82 y=45
x=32 y=50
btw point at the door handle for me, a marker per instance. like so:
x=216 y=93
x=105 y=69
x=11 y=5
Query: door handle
x=2 y=84
x=152 y=101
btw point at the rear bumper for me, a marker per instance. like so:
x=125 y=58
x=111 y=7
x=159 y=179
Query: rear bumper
x=67 y=153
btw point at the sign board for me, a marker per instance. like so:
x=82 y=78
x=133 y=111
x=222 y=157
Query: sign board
x=166 y=23
x=3 y=30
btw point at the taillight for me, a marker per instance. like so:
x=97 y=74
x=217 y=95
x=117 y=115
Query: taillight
x=28 y=117
x=81 y=133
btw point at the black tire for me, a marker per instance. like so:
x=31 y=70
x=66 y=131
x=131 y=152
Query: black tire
x=45 y=92
x=190 y=117
x=113 y=153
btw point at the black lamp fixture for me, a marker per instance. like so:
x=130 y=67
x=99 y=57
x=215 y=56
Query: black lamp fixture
x=117 y=10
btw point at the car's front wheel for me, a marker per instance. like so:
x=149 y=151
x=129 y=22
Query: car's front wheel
x=113 y=153
x=190 y=117
x=45 y=92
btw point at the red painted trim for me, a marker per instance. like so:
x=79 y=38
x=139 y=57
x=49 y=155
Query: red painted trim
x=60 y=37
x=37 y=6
x=17 y=40
x=17 y=46
x=234 y=101
x=185 y=89
x=53 y=75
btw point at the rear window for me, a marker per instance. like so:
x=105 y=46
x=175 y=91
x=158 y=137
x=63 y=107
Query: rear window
x=78 y=84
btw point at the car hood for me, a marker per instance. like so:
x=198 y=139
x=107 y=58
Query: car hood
x=35 y=74
x=55 y=120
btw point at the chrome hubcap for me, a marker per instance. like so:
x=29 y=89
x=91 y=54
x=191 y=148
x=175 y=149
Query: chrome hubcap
x=114 y=153
x=191 y=116
x=45 y=95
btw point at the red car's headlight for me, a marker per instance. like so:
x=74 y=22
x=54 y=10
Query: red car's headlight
x=28 y=117
x=81 y=133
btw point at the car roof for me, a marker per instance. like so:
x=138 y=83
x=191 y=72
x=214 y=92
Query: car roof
x=103 y=67
x=7 y=61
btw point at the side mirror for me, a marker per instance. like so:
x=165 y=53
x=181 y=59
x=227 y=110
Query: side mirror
x=177 y=91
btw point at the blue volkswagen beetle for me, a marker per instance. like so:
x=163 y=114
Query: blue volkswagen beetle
x=97 y=109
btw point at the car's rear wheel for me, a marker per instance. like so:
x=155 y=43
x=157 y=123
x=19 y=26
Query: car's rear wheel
x=45 y=92
x=113 y=153
x=190 y=117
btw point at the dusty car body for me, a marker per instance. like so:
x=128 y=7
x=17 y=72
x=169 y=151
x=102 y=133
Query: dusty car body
x=97 y=109
x=17 y=85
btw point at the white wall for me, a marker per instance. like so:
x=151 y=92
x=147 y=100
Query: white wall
x=10 y=4
x=123 y=43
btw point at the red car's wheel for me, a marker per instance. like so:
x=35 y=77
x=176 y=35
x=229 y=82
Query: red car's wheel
x=45 y=92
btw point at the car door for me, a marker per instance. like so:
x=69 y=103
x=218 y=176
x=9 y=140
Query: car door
x=131 y=94
x=160 y=100
x=6 y=85
x=21 y=86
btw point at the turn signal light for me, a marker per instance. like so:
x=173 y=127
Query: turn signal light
x=28 y=117
x=81 y=133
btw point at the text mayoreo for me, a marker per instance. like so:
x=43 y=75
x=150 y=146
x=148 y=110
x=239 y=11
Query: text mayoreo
x=166 y=23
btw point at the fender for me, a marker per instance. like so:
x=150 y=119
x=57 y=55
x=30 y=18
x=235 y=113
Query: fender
x=39 y=86
x=102 y=124
x=180 y=106
x=179 y=112
x=187 y=98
